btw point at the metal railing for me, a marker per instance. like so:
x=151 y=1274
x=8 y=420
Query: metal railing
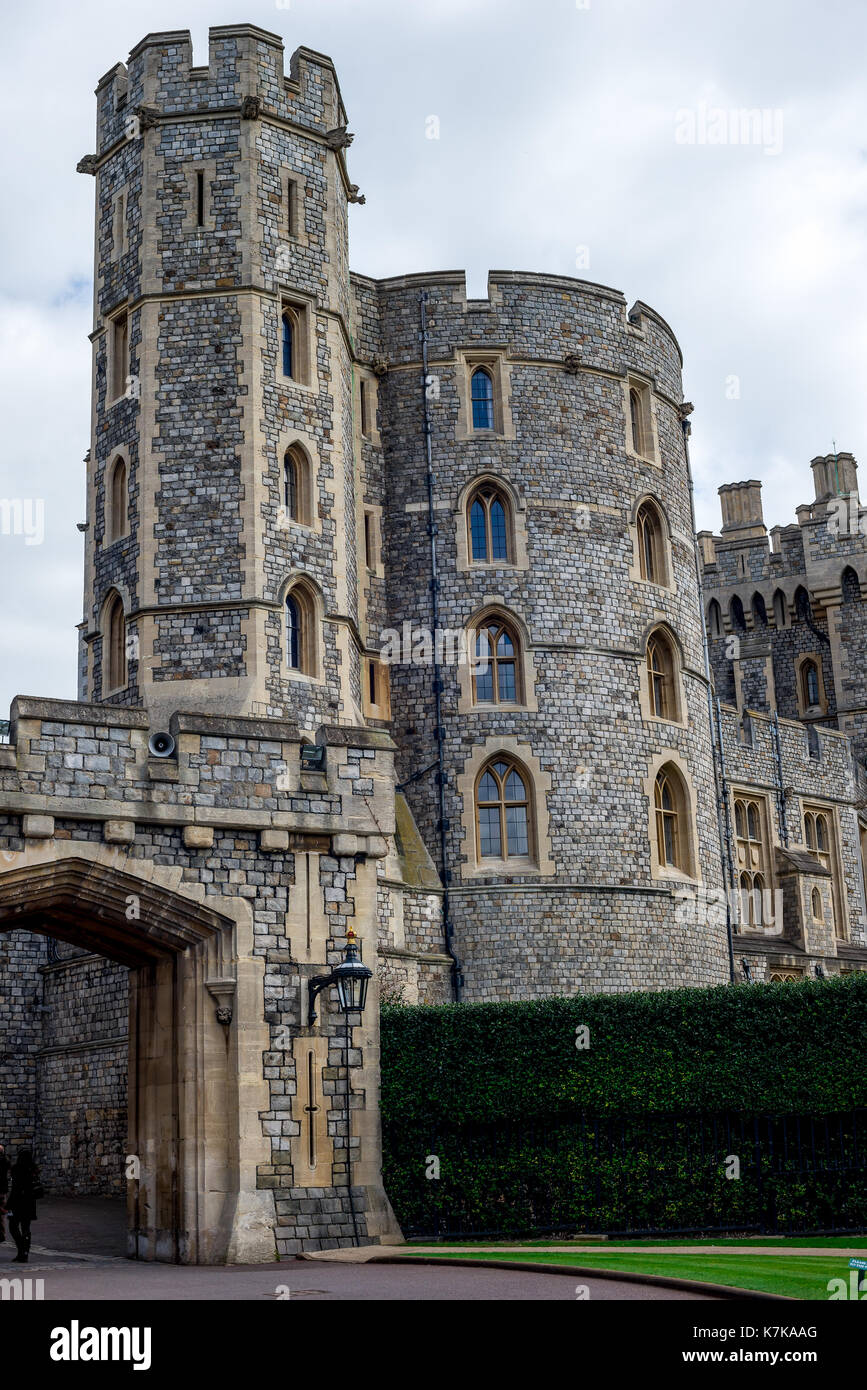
x=633 y=1175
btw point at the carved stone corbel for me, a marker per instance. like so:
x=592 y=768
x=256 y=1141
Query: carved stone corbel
x=354 y=195
x=572 y=363
x=148 y=117
x=87 y=165
x=339 y=138
x=251 y=108
x=222 y=991
x=380 y=366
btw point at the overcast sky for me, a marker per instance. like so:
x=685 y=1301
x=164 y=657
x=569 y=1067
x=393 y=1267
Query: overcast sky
x=579 y=139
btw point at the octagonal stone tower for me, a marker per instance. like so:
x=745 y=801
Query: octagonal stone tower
x=221 y=468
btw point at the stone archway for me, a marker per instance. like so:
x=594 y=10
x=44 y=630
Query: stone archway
x=196 y=1037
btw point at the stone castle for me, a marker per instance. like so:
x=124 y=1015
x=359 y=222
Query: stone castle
x=394 y=619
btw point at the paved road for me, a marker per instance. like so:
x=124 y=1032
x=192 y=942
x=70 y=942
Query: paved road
x=78 y=1251
x=131 y=1282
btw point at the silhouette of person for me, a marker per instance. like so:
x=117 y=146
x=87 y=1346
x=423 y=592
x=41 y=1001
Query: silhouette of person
x=24 y=1190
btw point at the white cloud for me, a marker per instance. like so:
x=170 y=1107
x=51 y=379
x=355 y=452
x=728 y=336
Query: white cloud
x=557 y=130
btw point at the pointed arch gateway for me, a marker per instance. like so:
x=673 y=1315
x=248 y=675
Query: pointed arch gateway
x=193 y=1108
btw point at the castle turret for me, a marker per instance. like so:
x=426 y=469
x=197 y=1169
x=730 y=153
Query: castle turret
x=221 y=500
x=835 y=475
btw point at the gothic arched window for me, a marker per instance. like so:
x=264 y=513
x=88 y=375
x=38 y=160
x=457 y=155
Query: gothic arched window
x=482 y=392
x=496 y=663
x=114 y=646
x=289 y=346
x=662 y=675
x=672 y=812
x=636 y=420
x=301 y=635
x=810 y=684
x=489 y=524
x=503 y=821
x=781 y=609
x=651 y=544
x=297 y=486
x=117 y=502
x=714 y=619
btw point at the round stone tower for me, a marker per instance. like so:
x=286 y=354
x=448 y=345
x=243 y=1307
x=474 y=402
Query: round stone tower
x=579 y=803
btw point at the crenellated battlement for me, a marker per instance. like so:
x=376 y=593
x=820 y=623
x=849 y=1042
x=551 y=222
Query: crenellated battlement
x=245 y=75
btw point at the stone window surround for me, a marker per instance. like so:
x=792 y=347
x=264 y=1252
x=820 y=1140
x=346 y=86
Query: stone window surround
x=804 y=710
x=292 y=439
x=112 y=322
x=312 y=639
x=297 y=231
x=839 y=894
x=634 y=571
x=517 y=522
x=496 y=363
x=303 y=308
x=658 y=872
x=494 y=605
x=682 y=720
x=539 y=784
x=369 y=381
x=373 y=512
x=122 y=593
x=743 y=792
x=207 y=167
x=648 y=401
x=119 y=222
x=116 y=455
x=381 y=707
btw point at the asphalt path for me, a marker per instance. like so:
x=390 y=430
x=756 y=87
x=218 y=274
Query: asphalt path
x=296 y=1280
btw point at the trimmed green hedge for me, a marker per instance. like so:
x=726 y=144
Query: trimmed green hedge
x=531 y=1132
x=788 y=1047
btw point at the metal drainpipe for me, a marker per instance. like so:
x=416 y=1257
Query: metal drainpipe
x=437 y=672
x=781 y=790
x=718 y=769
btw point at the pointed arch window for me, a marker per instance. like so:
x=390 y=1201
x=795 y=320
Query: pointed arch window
x=714 y=619
x=635 y=416
x=503 y=824
x=651 y=544
x=662 y=676
x=816 y=905
x=489 y=521
x=760 y=612
x=117 y=501
x=482 y=392
x=820 y=837
x=297 y=486
x=753 y=859
x=301 y=636
x=810 y=684
x=114 y=645
x=496 y=663
x=672 y=812
x=781 y=609
x=288 y=342
x=293 y=633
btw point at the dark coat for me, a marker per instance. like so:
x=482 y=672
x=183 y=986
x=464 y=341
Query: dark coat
x=4 y=1174
x=22 y=1193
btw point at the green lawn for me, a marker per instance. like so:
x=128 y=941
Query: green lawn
x=856 y=1242
x=796 y=1276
